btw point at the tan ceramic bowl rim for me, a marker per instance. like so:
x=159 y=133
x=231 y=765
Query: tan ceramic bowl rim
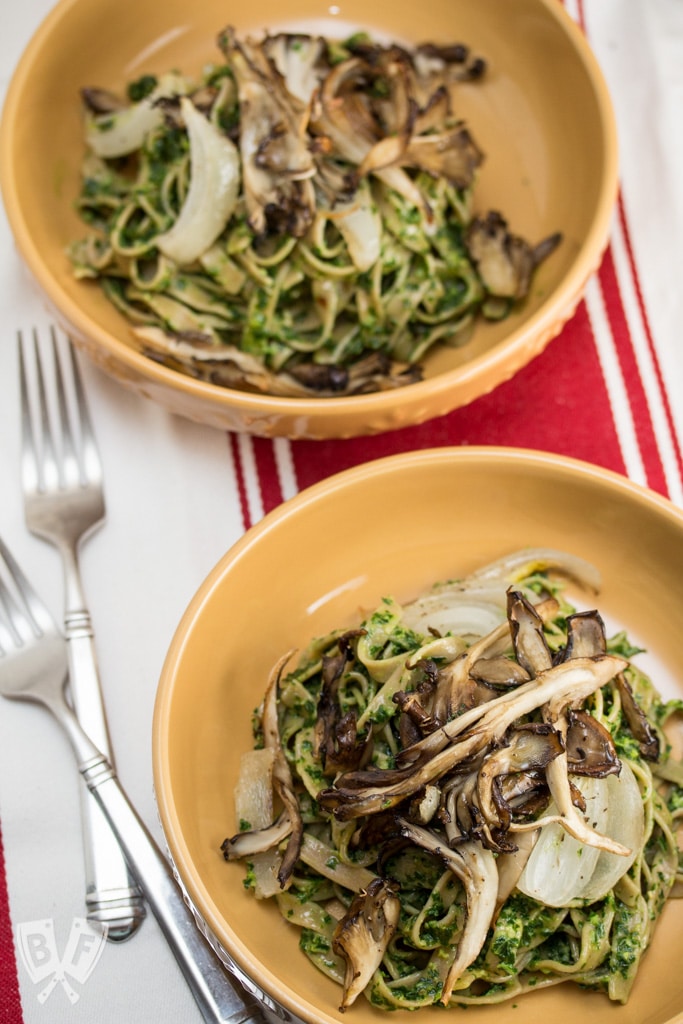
x=562 y=299
x=570 y=468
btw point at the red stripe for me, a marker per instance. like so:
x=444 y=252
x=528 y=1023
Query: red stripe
x=635 y=392
x=557 y=403
x=581 y=15
x=268 y=476
x=10 y=1001
x=239 y=477
x=663 y=395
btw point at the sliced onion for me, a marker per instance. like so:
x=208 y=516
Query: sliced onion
x=454 y=613
x=254 y=789
x=511 y=865
x=559 y=866
x=521 y=563
x=626 y=824
x=360 y=225
x=211 y=197
x=124 y=131
x=254 y=804
x=325 y=860
x=560 y=869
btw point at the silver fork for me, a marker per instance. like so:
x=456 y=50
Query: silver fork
x=63 y=504
x=34 y=667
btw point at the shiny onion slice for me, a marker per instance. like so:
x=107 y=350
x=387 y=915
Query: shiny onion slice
x=254 y=807
x=460 y=614
x=626 y=824
x=120 y=132
x=360 y=224
x=254 y=792
x=213 y=191
x=561 y=870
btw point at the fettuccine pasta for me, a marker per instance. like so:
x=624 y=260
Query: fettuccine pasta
x=300 y=220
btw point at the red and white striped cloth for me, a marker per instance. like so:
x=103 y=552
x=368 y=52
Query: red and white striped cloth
x=608 y=390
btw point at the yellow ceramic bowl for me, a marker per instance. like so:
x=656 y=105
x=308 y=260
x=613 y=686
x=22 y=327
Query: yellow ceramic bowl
x=392 y=527
x=543 y=118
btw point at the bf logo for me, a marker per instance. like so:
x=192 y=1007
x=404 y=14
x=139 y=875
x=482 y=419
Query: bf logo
x=38 y=948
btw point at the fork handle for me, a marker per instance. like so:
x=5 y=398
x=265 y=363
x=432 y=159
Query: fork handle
x=112 y=898
x=219 y=997
x=84 y=679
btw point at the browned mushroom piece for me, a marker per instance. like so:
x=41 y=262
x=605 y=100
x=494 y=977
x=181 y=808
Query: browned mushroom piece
x=277 y=164
x=526 y=794
x=528 y=639
x=531 y=747
x=246 y=844
x=457 y=690
x=585 y=635
x=453 y=155
x=499 y=672
x=374 y=372
x=505 y=261
x=101 y=101
x=335 y=738
x=455 y=58
x=590 y=747
x=648 y=741
x=450 y=154
x=282 y=777
x=363 y=934
x=412 y=707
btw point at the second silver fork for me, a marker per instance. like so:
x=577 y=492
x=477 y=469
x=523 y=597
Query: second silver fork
x=63 y=504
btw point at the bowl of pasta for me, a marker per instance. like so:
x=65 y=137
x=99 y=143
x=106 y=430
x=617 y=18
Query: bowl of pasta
x=309 y=221
x=438 y=761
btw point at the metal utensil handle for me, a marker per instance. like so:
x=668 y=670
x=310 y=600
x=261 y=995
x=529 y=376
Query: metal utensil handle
x=220 y=999
x=112 y=898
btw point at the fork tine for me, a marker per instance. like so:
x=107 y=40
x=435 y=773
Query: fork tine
x=39 y=458
x=29 y=458
x=26 y=615
x=53 y=454
x=69 y=467
x=91 y=464
x=7 y=640
x=48 y=466
x=9 y=637
x=60 y=464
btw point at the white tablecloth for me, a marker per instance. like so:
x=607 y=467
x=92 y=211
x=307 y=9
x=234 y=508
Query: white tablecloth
x=178 y=495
